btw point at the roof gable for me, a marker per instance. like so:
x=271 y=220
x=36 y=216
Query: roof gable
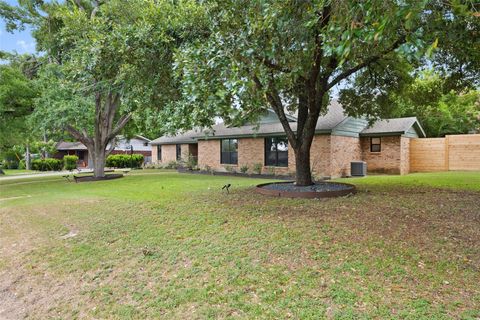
x=397 y=126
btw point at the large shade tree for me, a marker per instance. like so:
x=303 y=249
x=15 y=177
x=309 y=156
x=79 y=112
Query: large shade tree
x=289 y=55
x=439 y=109
x=111 y=59
x=17 y=95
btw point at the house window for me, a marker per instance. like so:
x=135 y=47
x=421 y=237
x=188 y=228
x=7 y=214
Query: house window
x=229 y=151
x=276 y=152
x=179 y=152
x=375 y=144
x=145 y=144
x=159 y=153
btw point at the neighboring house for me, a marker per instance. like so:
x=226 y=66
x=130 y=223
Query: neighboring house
x=339 y=140
x=139 y=145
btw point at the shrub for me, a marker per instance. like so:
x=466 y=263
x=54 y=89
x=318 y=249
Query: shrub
x=10 y=164
x=47 y=164
x=208 y=169
x=244 y=168
x=22 y=165
x=191 y=162
x=172 y=165
x=70 y=162
x=124 y=161
x=271 y=171
x=257 y=168
x=230 y=169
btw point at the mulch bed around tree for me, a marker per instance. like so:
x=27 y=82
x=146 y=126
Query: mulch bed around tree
x=92 y=178
x=317 y=190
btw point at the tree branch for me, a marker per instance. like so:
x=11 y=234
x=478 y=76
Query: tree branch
x=79 y=4
x=112 y=146
x=79 y=136
x=121 y=123
x=96 y=7
x=324 y=19
x=272 y=65
x=365 y=63
x=275 y=101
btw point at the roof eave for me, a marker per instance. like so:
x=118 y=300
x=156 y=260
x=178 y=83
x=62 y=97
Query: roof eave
x=381 y=134
x=419 y=128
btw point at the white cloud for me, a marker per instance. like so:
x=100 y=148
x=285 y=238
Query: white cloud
x=26 y=46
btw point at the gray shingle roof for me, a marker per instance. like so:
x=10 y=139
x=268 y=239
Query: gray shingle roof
x=327 y=122
x=64 y=145
x=397 y=125
x=187 y=137
x=334 y=117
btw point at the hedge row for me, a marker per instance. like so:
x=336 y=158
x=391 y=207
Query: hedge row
x=47 y=164
x=124 y=161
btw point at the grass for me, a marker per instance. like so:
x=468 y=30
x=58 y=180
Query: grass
x=165 y=245
x=12 y=172
x=449 y=180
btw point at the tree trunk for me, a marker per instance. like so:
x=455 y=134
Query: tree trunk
x=99 y=162
x=90 y=158
x=105 y=131
x=303 y=175
x=45 y=152
x=27 y=158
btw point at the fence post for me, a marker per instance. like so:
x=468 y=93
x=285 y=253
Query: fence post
x=447 y=156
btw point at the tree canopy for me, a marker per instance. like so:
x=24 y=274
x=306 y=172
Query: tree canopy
x=109 y=62
x=17 y=94
x=118 y=60
x=440 y=112
x=290 y=55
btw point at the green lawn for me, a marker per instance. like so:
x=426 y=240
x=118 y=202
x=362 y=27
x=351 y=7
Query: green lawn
x=11 y=172
x=174 y=246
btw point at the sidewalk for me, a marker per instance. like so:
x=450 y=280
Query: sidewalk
x=46 y=174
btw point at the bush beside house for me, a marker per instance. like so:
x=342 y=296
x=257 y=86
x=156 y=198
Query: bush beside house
x=70 y=162
x=125 y=161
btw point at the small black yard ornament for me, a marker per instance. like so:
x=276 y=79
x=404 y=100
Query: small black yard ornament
x=227 y=187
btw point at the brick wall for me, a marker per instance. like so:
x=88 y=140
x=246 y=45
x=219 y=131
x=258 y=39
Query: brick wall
x=388 y=160
x=320 y=159
x=169 y=153
x=325 y=156
x=154 y=154
x=185 y=152
x=344 y=151
x=330 y=155
x=209 y=154
x=250 y=152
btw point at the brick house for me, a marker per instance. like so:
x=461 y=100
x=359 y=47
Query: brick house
x=339 y=140
x=140 y=145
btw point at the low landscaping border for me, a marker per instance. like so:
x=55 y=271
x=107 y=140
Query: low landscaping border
x=237 y=174
x=350 y=189
x=92 y=178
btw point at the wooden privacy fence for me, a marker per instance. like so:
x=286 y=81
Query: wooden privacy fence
x=454 y=152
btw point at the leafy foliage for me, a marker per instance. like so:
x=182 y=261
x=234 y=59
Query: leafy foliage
x=47 y=164
x=439 y=113
x=70 y=162
x=125 y=161
x=17 y=94
x=108 y=60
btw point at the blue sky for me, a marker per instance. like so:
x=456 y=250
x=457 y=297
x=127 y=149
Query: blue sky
x=21 y=42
